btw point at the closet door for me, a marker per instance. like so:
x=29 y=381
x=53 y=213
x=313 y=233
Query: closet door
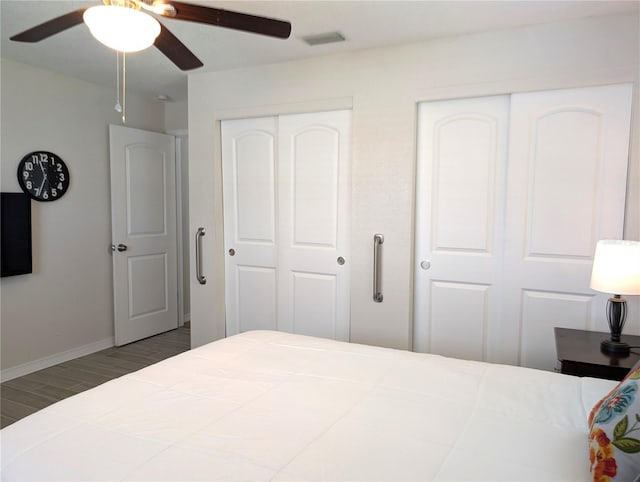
x=462 y=146
x=287 y=210
x=567 y=176
x=314 y=254
x=505 y=242
x=250 y=223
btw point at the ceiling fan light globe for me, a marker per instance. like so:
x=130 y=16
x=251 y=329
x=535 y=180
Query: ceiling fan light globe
x=121 y=28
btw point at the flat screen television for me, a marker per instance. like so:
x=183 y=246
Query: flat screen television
x=15 y=233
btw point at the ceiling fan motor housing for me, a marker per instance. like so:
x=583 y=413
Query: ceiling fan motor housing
x=122 y=3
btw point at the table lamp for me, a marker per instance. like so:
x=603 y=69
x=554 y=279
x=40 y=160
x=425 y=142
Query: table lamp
x=616 y=270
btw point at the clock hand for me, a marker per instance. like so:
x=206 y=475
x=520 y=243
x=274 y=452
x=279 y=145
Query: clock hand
x=39 y=190
x=44 y=179
x=44 y=174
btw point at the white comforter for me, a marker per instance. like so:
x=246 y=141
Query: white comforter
x=276 y=406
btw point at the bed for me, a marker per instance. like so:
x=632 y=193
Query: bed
x=275 y=406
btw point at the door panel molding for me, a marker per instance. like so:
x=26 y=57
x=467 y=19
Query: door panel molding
x=254 y=157
x=456 y=170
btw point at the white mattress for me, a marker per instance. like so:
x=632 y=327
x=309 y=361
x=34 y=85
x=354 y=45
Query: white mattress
x=276 y=406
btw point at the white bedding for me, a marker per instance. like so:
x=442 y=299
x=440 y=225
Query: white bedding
x=275 y=406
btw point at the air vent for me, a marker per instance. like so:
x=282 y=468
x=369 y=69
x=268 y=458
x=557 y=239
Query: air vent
x=323 y=38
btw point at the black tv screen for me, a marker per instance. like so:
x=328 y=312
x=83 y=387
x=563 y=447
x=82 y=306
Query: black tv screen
x=15 y=233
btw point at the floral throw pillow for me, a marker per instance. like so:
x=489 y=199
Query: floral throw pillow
x=614 y=440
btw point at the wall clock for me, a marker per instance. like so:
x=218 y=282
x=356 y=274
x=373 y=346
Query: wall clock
x=43 y=176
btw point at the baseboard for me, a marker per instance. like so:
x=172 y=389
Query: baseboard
x=49 y=361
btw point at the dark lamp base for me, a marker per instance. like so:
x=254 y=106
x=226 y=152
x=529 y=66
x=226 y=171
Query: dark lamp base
x=618 y=348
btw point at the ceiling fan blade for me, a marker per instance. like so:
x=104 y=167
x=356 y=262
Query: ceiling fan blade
x=229 y=19
x=176 y=51
x=51 y=27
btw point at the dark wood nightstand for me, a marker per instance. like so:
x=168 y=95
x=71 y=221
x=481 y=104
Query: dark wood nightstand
x=579 y=354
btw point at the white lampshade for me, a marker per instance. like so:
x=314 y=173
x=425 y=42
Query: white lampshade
x=616 y=267
x=122 y=28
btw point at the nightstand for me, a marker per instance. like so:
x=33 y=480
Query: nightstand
x=579 y=354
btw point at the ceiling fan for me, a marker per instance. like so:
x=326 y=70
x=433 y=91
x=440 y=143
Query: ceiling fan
x=117 y=20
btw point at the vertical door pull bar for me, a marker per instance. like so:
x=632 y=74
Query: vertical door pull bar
x=199 y=276
x=378 y=239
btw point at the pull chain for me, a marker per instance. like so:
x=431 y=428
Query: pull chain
x=122 y=108
x=118 y=107
x=124 y=88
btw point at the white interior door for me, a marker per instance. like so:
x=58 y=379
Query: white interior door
x=512 y=195
x=143 y=215
x=314 y=224
x=566 y=190
x=462 y=149
x=286 y=216
x=250 y=223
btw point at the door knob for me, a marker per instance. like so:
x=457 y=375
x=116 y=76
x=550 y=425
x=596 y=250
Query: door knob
x=122 y=247
x=232 y=252
x=425 y=264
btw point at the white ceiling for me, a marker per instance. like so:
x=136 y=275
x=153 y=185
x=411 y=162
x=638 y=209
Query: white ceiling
x=365 y=24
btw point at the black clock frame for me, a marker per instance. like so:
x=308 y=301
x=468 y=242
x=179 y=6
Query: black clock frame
x=47 y=171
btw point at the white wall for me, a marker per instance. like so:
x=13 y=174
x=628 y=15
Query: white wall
x=66 y=304
x=383 y=86
x=176 y=117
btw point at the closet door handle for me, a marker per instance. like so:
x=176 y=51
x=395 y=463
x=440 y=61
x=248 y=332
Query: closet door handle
x=378 y=239
x=199 y=276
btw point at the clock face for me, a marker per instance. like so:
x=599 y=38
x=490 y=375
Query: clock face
x=43 y=176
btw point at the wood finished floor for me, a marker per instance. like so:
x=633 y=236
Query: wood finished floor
x=25 y=395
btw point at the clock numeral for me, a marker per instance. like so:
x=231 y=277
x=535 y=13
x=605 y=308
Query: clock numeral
x=60 y=186
x=54 y=193
x=61 y=177
x=59 y=167
x=29 y=185
x=28 y=166
x=25 y=175
x=45 y=195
